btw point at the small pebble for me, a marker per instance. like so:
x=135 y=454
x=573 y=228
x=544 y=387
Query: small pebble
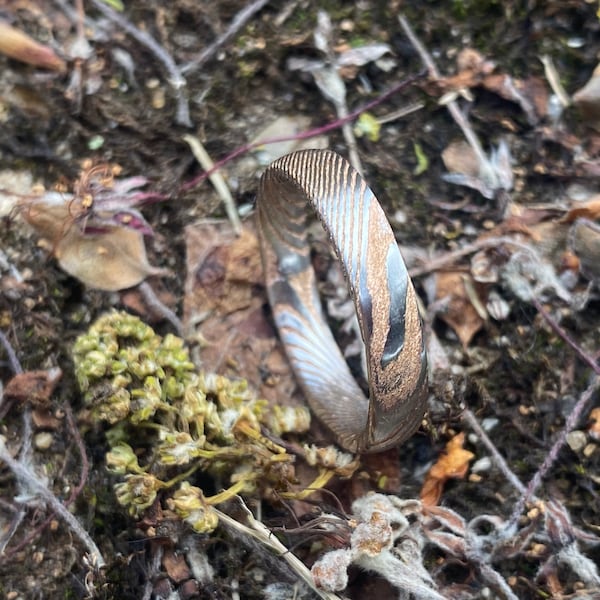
x=43 y=440
x=482 y=465
x=589 y=450
x=576 y=440
x=489 y=423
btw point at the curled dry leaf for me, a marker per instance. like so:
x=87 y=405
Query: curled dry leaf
x=461 y=314
x=453 y=464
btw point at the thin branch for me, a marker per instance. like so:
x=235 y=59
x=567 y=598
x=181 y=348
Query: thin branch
x=153 y=301
x=554 y=81
x=448 y=258
x=583 y=355
x=15 y=365
x=218 y=181
x=26 y=476
x=259 y=531
x=471 y=419
x=236 y=24
x=552 y=455
x=85 y=471
x=453 y=108
x=175 y=77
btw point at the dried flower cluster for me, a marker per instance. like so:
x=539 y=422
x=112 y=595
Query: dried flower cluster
x=167 y=421
x=96 y=232
x=384 y=541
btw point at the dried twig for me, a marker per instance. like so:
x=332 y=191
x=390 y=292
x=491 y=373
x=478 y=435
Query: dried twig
x=153 y=301
x=175 y=79
x=236 y=24
x=471 y=419
x=583 y=355
x=218 y=181
x=495 y=175
x=13 y=361
x=28 y=478
x=448 y=258
x=552 y=455
x=452 y=106
x=553 y=79
x=255 y=529
x=85 y=470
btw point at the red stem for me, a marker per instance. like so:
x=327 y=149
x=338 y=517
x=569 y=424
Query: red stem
x=303 y=134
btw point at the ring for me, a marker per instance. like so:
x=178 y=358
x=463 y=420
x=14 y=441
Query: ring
x=378 y=282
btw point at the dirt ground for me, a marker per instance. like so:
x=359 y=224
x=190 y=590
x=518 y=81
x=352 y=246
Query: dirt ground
x=506 y=266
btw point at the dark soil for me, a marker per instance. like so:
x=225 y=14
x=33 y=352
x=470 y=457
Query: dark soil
x=515 y=370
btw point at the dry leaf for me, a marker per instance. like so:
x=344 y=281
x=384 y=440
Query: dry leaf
x=224 y=301
x=34 y=387
x=20 y=46
x=176 y=566
x=590 y=209
x=111 y=261
x=453 y=464
x=459 y=157
x=460 y=315
x=530 y=94
x=285 y=127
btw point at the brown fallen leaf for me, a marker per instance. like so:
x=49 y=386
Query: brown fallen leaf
x=224 y=302
x=460 y=315
x=452 y=464
x=459 y=157
x=590 y=209
x=34 y=387
x=20 y=46
x=111 y=261
x=530 y=94
x=176 y=566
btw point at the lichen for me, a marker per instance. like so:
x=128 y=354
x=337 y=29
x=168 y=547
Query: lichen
x=166 y=421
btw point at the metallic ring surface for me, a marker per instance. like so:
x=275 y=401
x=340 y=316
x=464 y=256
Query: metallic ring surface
x=378 y=283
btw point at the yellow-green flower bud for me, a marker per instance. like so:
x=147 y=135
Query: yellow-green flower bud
x=137 y=492
x=121 y=460
x=180 y=448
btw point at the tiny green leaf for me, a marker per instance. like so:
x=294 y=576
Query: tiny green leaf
x=422 y=160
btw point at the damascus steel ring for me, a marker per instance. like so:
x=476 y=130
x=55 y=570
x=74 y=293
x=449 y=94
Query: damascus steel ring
x=323 y=182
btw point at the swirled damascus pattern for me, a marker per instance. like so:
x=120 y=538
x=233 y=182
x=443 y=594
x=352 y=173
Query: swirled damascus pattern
x=379 y=285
